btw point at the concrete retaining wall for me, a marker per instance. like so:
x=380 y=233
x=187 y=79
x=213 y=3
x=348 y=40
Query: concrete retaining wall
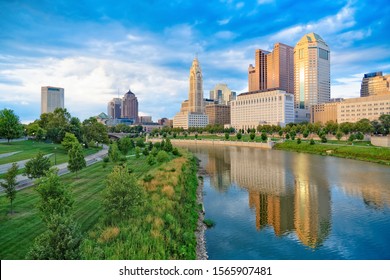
x=382 y=141
x=267 y=145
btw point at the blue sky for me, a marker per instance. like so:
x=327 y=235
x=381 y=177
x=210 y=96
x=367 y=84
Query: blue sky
x=95 y=48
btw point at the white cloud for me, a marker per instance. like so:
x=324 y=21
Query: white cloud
x=224 y=21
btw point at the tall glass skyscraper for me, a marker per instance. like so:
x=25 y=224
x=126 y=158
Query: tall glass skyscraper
x=311 y=71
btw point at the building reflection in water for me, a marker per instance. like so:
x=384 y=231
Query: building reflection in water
x=289 y=196
x=290 y=192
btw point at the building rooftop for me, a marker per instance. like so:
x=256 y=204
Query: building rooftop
x=312 y=38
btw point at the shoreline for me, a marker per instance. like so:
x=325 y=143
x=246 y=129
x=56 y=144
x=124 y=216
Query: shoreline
x=201 y=251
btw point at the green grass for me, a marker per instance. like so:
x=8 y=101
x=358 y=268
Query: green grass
x=164 y=228
x=19 y=230
x=360 y=152
x=29 y=149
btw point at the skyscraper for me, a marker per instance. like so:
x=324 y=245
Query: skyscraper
x=272 y=70
x=311 y=71
x=114 y=108
x=375 y=84
x=195 y=95
x=130 y=106
x=222 y=94
x=192 y=112
x=51 y=98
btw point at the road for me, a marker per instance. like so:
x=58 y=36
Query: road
x=24 y=181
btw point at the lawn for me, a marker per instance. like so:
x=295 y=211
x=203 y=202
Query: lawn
x=360 y=152
x=29 y=148
x=165 y=230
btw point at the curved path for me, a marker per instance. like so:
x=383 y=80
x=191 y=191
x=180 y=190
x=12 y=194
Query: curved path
x=24 y=182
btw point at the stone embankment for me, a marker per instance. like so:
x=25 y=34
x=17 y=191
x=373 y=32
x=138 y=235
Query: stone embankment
x=267 y=145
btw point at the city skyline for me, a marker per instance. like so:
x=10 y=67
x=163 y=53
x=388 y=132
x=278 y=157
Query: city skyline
x=92 y=50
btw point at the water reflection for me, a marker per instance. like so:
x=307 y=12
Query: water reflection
x=292 y=193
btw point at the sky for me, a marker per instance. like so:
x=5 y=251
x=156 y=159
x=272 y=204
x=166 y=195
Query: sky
x=97 y=50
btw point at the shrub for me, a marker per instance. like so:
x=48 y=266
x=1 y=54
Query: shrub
x=162 y=156
x=312 y=141
x=151 y=160
x=252 y=136
x=227 y=136
x=299 y=140
x=106 y=159
x=147 y=178
x=263 y=136
x=239 y=135
x=323 y=139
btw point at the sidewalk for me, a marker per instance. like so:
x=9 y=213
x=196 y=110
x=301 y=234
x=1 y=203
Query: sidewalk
x=24 y=182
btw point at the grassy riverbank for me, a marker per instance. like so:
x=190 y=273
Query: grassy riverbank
x=359 y=152
x=163 y=229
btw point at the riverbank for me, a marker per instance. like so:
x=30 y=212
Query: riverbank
x=167 y=226
x=218 y=142
x=364 y=153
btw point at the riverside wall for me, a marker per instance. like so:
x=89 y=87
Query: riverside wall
x=267 y=145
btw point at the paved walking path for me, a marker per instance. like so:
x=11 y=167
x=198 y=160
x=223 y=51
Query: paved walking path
x=4 y=167
x=24 y=181
x=8 y=154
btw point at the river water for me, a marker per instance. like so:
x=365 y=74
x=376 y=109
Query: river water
x=269 y=204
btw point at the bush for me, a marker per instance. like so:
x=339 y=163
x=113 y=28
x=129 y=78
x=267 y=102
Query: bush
x=145 y=152
x=162 y=156
x=323 y=139
x=151 y=160
x=299 y=140
x=252 y=136
x=312 y=141
x=263 y=136
x=227 y=136
x=239 y=136
x=147 y=178
x=175 y=152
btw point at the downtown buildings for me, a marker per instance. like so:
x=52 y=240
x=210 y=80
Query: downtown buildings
x=51 y=98
x=123 y=110
x=192 y=112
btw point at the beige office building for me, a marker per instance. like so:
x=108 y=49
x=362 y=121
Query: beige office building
x=51 y=98
x=375 y=84
x=370 y=107
x=311 y=72
x=272 y=69
x=218 y=113
x=274 y=107
x=324 y=112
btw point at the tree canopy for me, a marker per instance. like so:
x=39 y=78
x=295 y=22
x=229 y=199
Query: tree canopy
x=10 y=126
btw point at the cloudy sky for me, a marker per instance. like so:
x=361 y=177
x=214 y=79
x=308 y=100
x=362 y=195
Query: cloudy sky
x=95 y=48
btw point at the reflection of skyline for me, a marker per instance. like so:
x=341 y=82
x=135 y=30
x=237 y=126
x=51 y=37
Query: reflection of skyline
x=292 y=192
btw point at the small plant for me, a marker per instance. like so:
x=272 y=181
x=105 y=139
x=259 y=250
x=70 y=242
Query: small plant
x=209 y=223
x=227 y=136
x=175 y=152
x=299 y=140
x=148 y=178
x=323 y=139
x=312 y=141
x=106 y=159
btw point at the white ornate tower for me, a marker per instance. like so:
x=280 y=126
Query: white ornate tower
x=195 y=95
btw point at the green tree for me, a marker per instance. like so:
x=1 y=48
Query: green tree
x=56 y=124
x=69 y=140
x=168 y=145
x=124 y=145
x=94 y=131
x=305 y=133
x=151 y=160
x=339 y=134
x=227 y=135
x=299 y=141
x=9 y=183
x=137 y=152
x=252 y=135
x=162 y=156
x=239 y=135
x=312 y=141
x=62 y=239
x=113 y=152
x=323 y=139
x=10 y=126
x=385 y=122
x=76 y=160
x=122 y=194
x=37 y=166
x=263 y=136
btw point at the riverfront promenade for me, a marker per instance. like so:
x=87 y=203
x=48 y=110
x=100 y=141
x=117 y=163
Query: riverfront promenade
x=259 y=145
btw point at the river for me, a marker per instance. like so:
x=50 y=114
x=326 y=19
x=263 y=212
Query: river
x=269 y=204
